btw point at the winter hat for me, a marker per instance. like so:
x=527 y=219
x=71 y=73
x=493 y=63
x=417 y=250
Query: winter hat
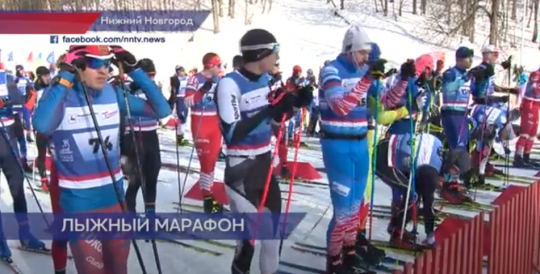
x=375 y=53
x=257 y=44
x=355 y=39
x=490 y=49
x=42 y=71
x=464 y=52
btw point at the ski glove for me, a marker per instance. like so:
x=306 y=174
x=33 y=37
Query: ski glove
x=282 y=104
x=207 y=86
x=391 y=72
x=189 y=101
x=508 y=63
x=124 y=58
x=376 y=68
x=408 y=69
x=304 y=96
x=74 y=59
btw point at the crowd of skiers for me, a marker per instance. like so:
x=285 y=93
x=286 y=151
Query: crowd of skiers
x=100 y=127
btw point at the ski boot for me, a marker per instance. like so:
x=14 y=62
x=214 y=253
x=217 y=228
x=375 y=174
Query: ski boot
x=211 y=206
x=5 y=252
x=519 y=162
x=45 y=184
x=180 y=141
x=29 y=138
x=491 y=170
x=303 y=144
x=25 y=165
x=529 y=162
x=31 y=243
x=369 y=253
x=353 y=263
x=454 y=193
x=242 y=258
x=404 y=241
x=284 y=171
x=430 y=240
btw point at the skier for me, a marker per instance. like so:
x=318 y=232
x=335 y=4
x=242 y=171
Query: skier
x=63 y=115
x=178 y=88
x=530 y=105
x=10 y=166
x=314 y=112
x=344 y=126
x=395 y=164
x=456 y=94
x=23 y=86
x=205 y=125
x=237 y=62
x=145 y=134
x=246 y=117
x=42 y=82
x=487 y=123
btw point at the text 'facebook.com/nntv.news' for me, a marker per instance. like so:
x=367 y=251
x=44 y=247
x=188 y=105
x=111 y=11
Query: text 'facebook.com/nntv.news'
x=55 y=39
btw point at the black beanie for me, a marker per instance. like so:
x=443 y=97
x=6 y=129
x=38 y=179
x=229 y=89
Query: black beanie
x=40 y=71
x=254 y=38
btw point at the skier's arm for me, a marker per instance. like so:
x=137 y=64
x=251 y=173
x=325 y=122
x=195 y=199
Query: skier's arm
x=156 y=106
x=449 y=83
x=339 y=101
x=191 y=89
x=172 y=96
x=233 y=126
x=386 y=117
x=50 y=110
x=391 y=98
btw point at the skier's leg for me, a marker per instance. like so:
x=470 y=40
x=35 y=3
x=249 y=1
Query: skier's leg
x=525 y=128
x=533 y=131
x=42 y=144
x=58 y=247
x=181 y=113
x=151 y=167
x=208 y=144
x=18 y=131
x=427 y=180
x=27 y=123
x=130 y=167
x=456 y=129
x=245 y=187
x=283 y=150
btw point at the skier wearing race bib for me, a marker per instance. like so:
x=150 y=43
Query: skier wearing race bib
x=456 y=94
x=487 y=124
x=43 y=81
x=530 y=106
x=84 y=178
x=145 y=134
x=10 y=167
x=395 y=162
x=344 y=128
x=22 y=117
x=178 y=93
x=246 y=116
x=205 y=125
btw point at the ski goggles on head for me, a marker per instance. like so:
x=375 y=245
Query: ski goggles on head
x=95 y=63
x=274 y=47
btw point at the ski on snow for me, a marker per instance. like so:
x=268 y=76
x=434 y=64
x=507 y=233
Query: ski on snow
x=11 y=264
x=321 y=251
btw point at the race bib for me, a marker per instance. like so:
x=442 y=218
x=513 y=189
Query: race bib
x=424 y=152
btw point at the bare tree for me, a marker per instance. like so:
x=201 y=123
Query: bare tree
x=414 y=4
x=215 y=15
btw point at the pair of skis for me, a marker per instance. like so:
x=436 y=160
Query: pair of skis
x=8 y=261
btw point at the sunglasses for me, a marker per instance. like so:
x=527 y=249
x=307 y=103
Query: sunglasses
x=95 y=63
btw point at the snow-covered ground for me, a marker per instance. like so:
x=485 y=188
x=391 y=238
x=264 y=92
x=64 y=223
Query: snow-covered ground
x=309 y=34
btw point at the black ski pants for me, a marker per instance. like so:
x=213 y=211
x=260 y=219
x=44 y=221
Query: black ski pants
x=426 y=181
x=42 y=143
x=149 y=157
x=11 y=167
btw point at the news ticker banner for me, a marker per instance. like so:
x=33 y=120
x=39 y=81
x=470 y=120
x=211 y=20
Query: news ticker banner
x=105 y=226
x=115 y=21
x=109 y=40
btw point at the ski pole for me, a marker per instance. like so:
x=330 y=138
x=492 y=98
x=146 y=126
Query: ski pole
x=195 y=137
x=291 y=182
x=268 y=179
x=138 y=166
x=374 y=163
x=117 y=189
x=16 y=155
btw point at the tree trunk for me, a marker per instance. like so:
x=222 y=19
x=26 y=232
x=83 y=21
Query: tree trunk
x=215 y=15
x=232 y=3
x=220 y=5
x=494 y=22
x=423 y=6
x=385 y=7
x=400 y=8
x=376 y=9
x=414 y=4
x=448 y=12
x=535 y=14
x=342 y=4
x=514 y=10
x=471 y=10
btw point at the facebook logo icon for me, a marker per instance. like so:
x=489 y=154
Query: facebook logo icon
x=54 y=39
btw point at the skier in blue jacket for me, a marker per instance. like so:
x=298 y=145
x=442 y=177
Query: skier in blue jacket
x=22 y=119
x=9 y=158
x=63 y=115
x=430 y=165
